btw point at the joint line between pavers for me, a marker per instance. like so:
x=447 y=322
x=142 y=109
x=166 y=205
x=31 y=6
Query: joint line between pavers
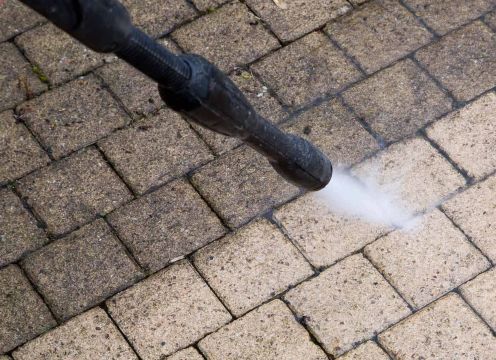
x=383 y=348
x=264 y=24
x=40 y=223
x=420 y=20
x=197 y=348
x=457 y=291
x=42 y=22
x=346 y=53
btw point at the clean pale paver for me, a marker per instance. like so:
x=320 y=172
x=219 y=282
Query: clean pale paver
x=475 y=212
x=323 y=236
x=251 y=266
x=81 y=270
x=447 y=329
x=367 y=351
x=413 y=173
x=167 y=312
x=348 y=303
x=379 y=33
x=16 y=18
x=269 y=332
x=427 y=261
x=87 y=337
x=186 y=354
x=481 y=294
x=469 y=136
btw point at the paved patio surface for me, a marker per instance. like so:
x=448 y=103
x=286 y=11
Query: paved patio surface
x=128 y=233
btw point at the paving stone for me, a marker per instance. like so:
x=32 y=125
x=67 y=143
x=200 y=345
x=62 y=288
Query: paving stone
x=73 y=115
x=234 y=36
x=153 y=151
x=475 y=212
x=469 y=136
x=323 y=236
x=91 y=335
x=443 y=16
x=379 y=33
x=269 y=332
x=243 y=273
x=156 y=19
x=16 y=18
x=23 y=315
x=348 y=303
x=491 y=20
x=5 y=357
x=427 y=261
x=336 y=132
x=398 y=101
x=81 y=270
x=186 y=354
x=19 y=233
x=166 y=224
x=463 y=61
x=481 y=294
x=17 y=79
x=73 y=191
x=208 y=5
x=57 y=56
x=403 y=170
x=367 y=351
x=447 y=329
x=299 y=17
x=242 y=185
x=263 y=102
x=358 y=2
x=20 y=152
x=306 y=70
x=167 y=312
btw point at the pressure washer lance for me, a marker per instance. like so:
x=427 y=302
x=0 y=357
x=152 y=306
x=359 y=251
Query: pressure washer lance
x=188 y=84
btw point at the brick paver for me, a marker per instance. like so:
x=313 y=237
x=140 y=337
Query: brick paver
x=269 y=332
x=20 y=152
x=186 y=354
x=447 y=329
x=16 y=18
x=23 y=315
x=73 y=116
x=464 y=60
x=73 y=273
x=208 y=5
x=244 y=274
x=88 y=336
x=379 y=33
x=348 y=303
x=491 y=20
x=367 y=351
x=469 y=136
x=166 y=224
x=168 y=311
x=73 y=191
x=398 y=101
x=306 y=70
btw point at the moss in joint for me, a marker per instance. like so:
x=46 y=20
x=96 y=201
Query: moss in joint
x=37 y=70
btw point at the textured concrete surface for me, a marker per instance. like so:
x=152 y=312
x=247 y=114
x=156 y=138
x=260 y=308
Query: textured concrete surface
x=367 y=351
x=186 y=354
x=16 y=18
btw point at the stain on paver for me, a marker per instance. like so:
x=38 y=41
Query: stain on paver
x=16 y=18
x=367 y=351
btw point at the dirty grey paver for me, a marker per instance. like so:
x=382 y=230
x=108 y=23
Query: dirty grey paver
x=378 y=33
x=445 y=15
x=23 y=315
x=398 y=101
x=244 y=273
x=427 y=261
x=19 y=232
x=73 y=191
x=155 y=150
x=475 y=212
x=481 y=294
x=56 y=54
x=336 y=132
x=306 y=70
x=89 y=336
x=469 y=136
x=299 y=17
x=358 y=2
x=167 y=312
x=208 y=5
x=21 y=153
x=72 y=116
x=81 y=270
x=233 y=34
x=413 y=173
x=186 y=354
x=464 y=61
x=491 y=20
x=5 y=357
x=17 y=79
x=447 y=329
x=269 y=332
x=367 y=351
x=323 y=236
x=348 y=303
x=166 y=224
x=241 y=185
x=16 y=18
